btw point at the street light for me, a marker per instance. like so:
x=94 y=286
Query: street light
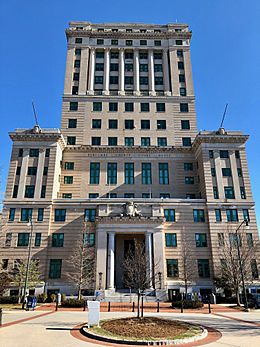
x=28 y=261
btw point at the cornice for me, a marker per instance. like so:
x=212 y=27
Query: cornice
x=129 y=220
x=168 y=98
x=217 y=138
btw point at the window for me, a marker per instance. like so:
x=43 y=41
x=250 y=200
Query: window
x=157 y=43
x=114 y=55
x=185 y=124
x=229 y=192
x=72 y=123
x=129 y=173
x=157 y=55
x=114 y=42
x=249 y=239
x=234 y=240
x=15 y=191
x=66 y=195
x=113 y=106
x=57 y=240
x=96 y=123
x=69 y=165
x=188 y=167
x=129 y=141
x=68 y=179
x=198 y=216
x=100 y=41
x=144 y=80
x=190 y=196
x=172 y=268
x=128 y=42
x=129 y=107
x=178 y=42
x=90 y=214
x=89 y=239
x=213 y=172
x=170 y=240
x=95 y=141
x=162 y=141
x=232 y=215
x=99 y=67
x=114 y=67
x=145 y=124
x=77 y=51
x=237 y=154
x=20 y=152
x=143 y=55
x=145 y=107
x=111 y=173
x=203 y=268
x=129 y=124
x=145 y=141
x=29 y=192
x=77 y=63
x=18 y=170
x=43 y=192
x=129 y=195
x=98 y=79
x=37 y=239
x=180 y=65
x=226 y=172
x=180 y=53
x=246 y=214
x=112 y=124
x=164 y=196
x=129 y=67
x=146 y=195
x=161 y=124
x=32 y=171
x=75 y=78
x=201 y=240
x=94 y=173
x=242 y=192
x=183 y=91
x=163 y=173
x=129 y=55
x=34 y=152
x=23 y=239
x=169 y=215
x=189 y=180
x=158 y=68
x=143 y=67
x=47 y=152
x=211 y=154
x=186 y=141
x=215 y=192
x=160 y=107
x=71 y=140
x=112 y=141
x=182 y=78
x=113 y=80
x=4 y=264
x=55 y=268
x=97 y=106
x=11 y=214
x=146 y=173
x=78 y=40
x=129 y=80
x=218 y=215
x=158 y=81
x=59 y=215
x=184 y=107
x=239 y=172
x=254 y=269
x=221 y=239
x=143 y=42
x=223 y=154
x=93 y=195
x=40 y=214
x=45 y=171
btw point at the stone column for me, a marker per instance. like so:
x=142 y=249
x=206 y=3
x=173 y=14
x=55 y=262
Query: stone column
x=166 y=73
x=39 y=175
x=111 y=260
x=235 y=179
x=83 y=71
x=106 y=71
x=174 y=72
x=23 y=174
x=137 y=74
x=188 y=72
x=149 y=255
x=121 y=72
x=69 y=70
x=91 y=72
x=219 y=176
x=151 y=73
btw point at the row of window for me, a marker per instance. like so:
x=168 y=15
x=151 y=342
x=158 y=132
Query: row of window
x=226 y=172
x=129 y=195
x=114 y=42
x=129 y=106
x=34 y=152
x=229 y=192
x=29 y=191
x=129 y=141
x=223 y=154
x=32 y=171
x=128 y=67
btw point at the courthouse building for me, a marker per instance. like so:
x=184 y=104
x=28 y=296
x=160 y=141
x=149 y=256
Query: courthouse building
x=128 y=139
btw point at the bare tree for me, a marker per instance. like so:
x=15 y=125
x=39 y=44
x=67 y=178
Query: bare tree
x=5 y=280
x=82 y=263
x=230 y=268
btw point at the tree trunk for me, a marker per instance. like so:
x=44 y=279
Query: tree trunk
x=138 y=304
x=238 y=297
x=186 y=288
x=19 y=294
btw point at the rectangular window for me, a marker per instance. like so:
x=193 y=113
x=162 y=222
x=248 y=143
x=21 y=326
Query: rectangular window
x=146 y=173
x=143 y=55
x=34 y=152
x=47 y=152
x=97 y=106
x=112 y=141
x=32 y=171
x=144 y=80
x=189 y=180
x=186 y=142
x=145 y=107
x=128 y=42
x=93 y=195
x=163 y=173
x=96 y=141
x=143 y=67
x=94 y=173
x=198 y=216
x=26 y=214
x=165 y=196
x=160 y=107
x=71 y=140
x=145 y=141
x=59 y=215
x=239 y=172
x=18 y=170
x=201 y=240
x=100 y=54
x=37 y=239
x=11 y=214
x=68 y=179
x=249 y=239
x=20 y=152
x=221 y=239
x=98 y=79
x=100 y=41
x=129 y=195
x=237 y=154
x=129 y=67
x=184 y=107
x=111 y=173
x=129 y=173
x=114 y=42
x=162 y=141
x=171 y=240
x=129 y=55
x=242 y=192
x=158 y=68
x=69 y=165
x=172 y=268
x=78 y=40
x=158 y=81
x=129 y=124
x=229 y=193
x=15 y=191
x=180 y=53
x=129 y=80
x=246 y=214
x=223 y=154
x=232 y=215
x=113 y=107
x=40 y=214
x=145 y=124
x=183 y=91
x=254 y=269
x=77 y=51
x=112 y=123
x=182 y=78
x=161 y=124
x=45 y=171
x=89 y=239
x=113 y=79
x=143 y=42
x=234 y=240
x=66 y=195
x=43 y=192
x=157 y=55
x=114 y=67
x=218 y=215
x=57 y=240
x=226 y=172
x=8 y=239
x=146 y=195
x=213 y=172
x=180 y=65
x=55 y=268
x=157 y=43
x=211 y=154
x=129 y=141
x=185 y=124
x=90 y=214
x=203 y=268
x=178 y=42
x=215 y=192
x=188 y=167
x=77 y=63
x=75 y=78
x=169 y=215
x=129 y=107
x=23 y=239
x=72 y=123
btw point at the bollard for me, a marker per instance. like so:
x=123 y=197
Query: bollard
x=1 y=317
x=158 y=306
x=142 y=308
x=84 y=307
x=108 y=306
x=181 y=303
x=57 y=304
x=133 y=309
x=209 y=304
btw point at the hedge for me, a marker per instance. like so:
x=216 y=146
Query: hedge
x=188 y=304
x=9 y=299
x=73 y=303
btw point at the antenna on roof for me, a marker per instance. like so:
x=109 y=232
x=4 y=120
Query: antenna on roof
x=224 y=115
x=36 y=128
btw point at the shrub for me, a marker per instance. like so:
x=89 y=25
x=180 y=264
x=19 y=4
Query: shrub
x=63 y=297
x=188 y=304
x=9 y=299
x=42 y=297
x=53 y=297
x=73 y=303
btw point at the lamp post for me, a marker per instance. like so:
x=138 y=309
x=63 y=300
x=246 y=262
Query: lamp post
x=28 y=262
x=160 y=280
x=240 y=263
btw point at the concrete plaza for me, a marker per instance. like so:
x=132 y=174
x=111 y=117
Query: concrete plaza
x=52 y=328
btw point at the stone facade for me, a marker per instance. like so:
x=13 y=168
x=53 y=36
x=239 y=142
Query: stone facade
x=128 y=133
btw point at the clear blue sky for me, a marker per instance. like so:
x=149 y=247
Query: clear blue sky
x=225 y=58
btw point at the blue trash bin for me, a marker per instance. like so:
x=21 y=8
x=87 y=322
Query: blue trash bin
x=31 y=302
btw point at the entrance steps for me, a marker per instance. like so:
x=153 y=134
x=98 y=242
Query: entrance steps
x=123 y=296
